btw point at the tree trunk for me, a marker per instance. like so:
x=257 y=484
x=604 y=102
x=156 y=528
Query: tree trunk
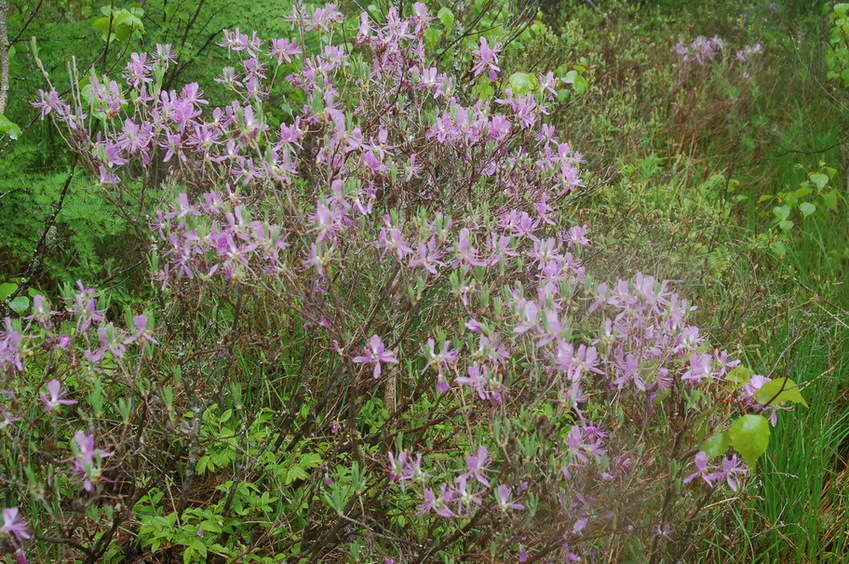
x=4 y=55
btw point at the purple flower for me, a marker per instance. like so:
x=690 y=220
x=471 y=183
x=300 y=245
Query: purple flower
x=376 y=354
x=701 y=50
x=138 y=70
x=7 y=419
x=486 y=58
x=142 y=333
x=13 y=525
x=10 y=351
x=284 y=50
x=702 y=468
x=404 y=467
x=502 y=496
x=523 y=554
x=700 y=368
x=465 y=498
x=54 y=388
x=438 y=505
x=446 y=358
x=731 y=468
x=477 y=466
x=86 y=463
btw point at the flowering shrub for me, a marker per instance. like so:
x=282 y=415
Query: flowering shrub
x=710 y=85
x=701 y=50
x=374 y=334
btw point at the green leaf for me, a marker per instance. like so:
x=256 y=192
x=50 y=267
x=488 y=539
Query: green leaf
x=750 y=437
x=7 y=290
x=522 y=82
x=781 y=212
x=830 y=199
x=9 y=127
x=122 y=32
x=739 y=375
x=578 y=82
x=195 y=552
x=779 y=248
x=19 y=305
x=785 y=225
x=446 y=16
x=782 y=390
x=716 y=445
x=820 y=180
x=807 y=208
x=484 y=88
x=101 y=25
x=802 y=192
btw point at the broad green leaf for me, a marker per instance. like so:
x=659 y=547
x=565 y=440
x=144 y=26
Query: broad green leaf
x=122 y=33
x=782 y=390
x=791 y=199
x=781 y=212
x=484 y=88
x=8 y=127
x=578 y=82
x=432 y=35
x=19 y=305
x=779 y=248
x=820 y=180
x=749 y=436
x=120 y=18
x=785 y=225
x=716 y=445
x=522 y=82
x=101 y=25
x=830 y=199
x=739 y=375
x=211 y=526
x=802 y=192
x=6 y=290
x=807 y=208
x=446 y=16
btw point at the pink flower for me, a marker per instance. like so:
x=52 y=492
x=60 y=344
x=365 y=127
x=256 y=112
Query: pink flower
x=284 y=50
x=502 y=496
x=13 y=525
x=486 y=57
x=87 y=462
x=376 y=354
x=54 y=388
x=477 y=466
x=142 y=333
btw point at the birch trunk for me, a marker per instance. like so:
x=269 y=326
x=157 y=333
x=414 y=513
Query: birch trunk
x=4 y=54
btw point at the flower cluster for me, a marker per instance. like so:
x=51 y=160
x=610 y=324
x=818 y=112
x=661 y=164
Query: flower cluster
x=744 y=54
x=729 y=471
x=701 y=51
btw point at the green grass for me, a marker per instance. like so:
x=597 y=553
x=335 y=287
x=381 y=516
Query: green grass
x=788 y=315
